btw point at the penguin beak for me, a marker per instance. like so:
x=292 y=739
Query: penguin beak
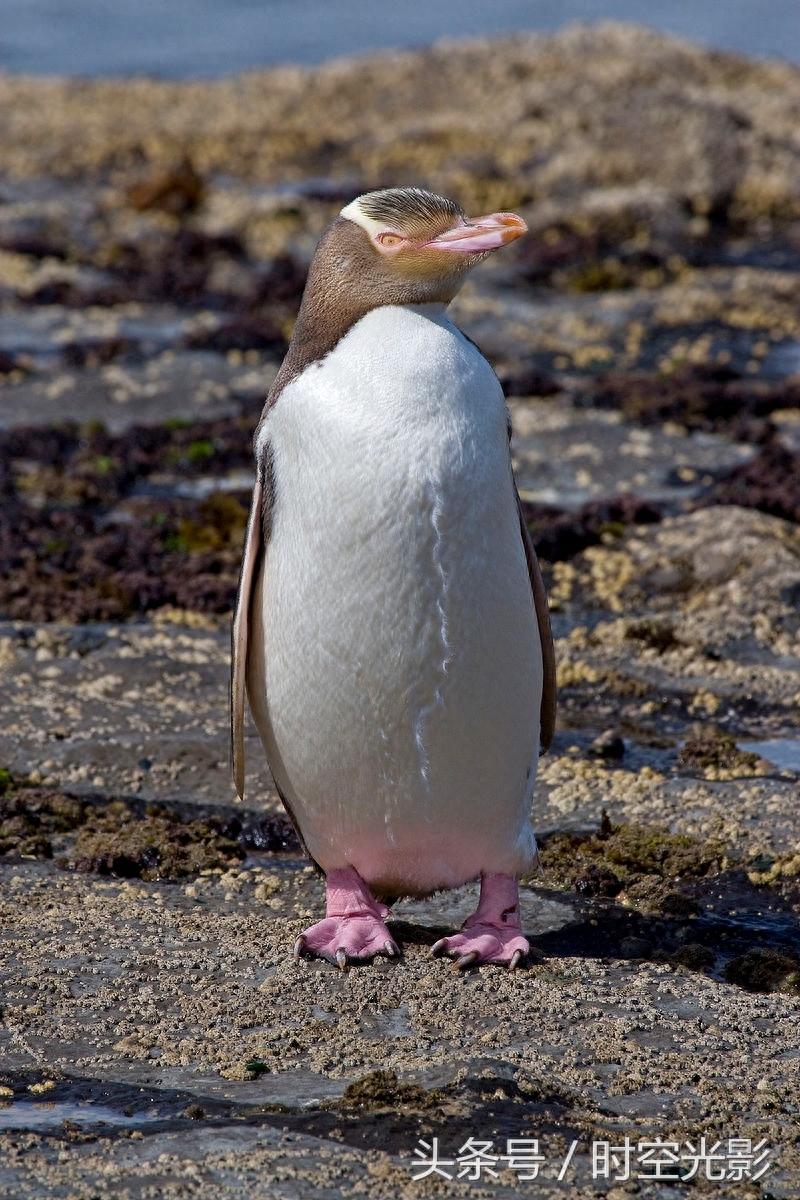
x=481 y=234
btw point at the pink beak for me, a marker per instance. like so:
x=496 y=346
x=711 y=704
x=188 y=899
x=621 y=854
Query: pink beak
x=480 y=234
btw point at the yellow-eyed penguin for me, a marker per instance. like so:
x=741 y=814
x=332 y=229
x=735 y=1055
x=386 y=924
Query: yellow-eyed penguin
x=391 y=628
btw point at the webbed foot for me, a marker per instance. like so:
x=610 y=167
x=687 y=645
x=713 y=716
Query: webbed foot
x=493 y=933
x=353 y=929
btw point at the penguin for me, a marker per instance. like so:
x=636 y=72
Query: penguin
x=391 y=631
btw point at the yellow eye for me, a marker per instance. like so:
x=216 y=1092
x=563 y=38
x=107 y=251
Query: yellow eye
x=389 y=239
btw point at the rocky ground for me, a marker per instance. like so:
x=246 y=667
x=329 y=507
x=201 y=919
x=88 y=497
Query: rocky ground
x=157 y=1038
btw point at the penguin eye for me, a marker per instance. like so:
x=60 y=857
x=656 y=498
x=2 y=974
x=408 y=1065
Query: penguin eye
x=389 y=239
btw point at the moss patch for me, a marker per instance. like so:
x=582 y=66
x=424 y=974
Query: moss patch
x=116 y=842
x=642 y=860
x=102 y=468
x=695 y=957
x=764 y=971
x=116 y=838
x=706 y=396
x=85 y=535
x=711 y=750
x=381 y=1089
x=770 y=482
x=557 y=535
x=652 y=634
x=30 y=818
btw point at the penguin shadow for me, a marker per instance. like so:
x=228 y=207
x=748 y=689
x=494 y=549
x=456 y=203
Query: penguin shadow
x=727 y=929
x=408 y=933
x=611 y=932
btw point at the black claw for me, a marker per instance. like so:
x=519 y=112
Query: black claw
x=466 y=960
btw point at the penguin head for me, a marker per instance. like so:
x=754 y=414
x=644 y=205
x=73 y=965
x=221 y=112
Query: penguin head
x=409 y=246
x=398 y=246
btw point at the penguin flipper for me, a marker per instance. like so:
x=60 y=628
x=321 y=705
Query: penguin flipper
x=548 y=713
x=240 y=630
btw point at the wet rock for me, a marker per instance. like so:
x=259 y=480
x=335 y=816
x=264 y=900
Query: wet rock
x=720 y=567
x=764 y=970
x=608 y=745
x=598 y=881
x=381 y=1089
x=695 y=957
x=85 y=641
x=558 y=535
x=710 y=747
x=636 y=947
x=676 y=905
x=274 y=833
x=178 y=191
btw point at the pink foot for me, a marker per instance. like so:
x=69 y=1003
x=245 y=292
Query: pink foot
x=353 y=927
x=493 y=933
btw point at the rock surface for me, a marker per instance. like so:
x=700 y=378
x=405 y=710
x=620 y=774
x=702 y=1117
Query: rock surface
x=157 y=1037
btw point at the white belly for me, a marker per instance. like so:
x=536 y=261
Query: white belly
x=397 y=687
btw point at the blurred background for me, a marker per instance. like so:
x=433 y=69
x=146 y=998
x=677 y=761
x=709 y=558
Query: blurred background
x=166 y=171
x=209 y=38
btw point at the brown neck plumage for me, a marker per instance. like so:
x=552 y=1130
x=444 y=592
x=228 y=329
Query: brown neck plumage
x=346 y=280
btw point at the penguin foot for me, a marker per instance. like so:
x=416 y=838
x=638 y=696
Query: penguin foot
x=346 y=939
x=483 y=944
x=493 y=933
x=353 y=929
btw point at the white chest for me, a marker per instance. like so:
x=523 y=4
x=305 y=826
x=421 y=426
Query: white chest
x=404 y=394
x=402 y=665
